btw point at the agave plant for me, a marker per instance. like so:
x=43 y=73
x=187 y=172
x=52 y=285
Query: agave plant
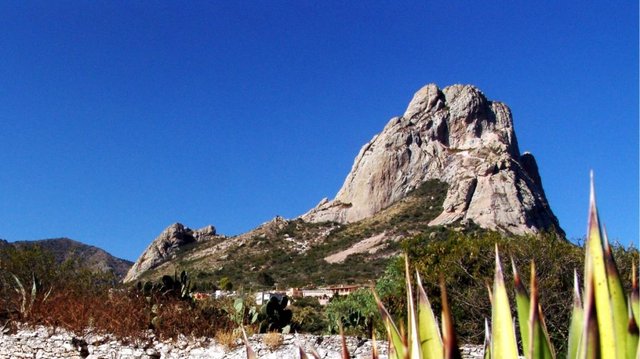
x=28 y=300
x=604 y=325
x=603 y=320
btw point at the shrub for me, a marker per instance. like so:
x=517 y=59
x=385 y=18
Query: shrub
x=272 y=340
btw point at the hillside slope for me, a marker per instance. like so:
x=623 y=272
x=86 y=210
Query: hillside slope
x=86 y=256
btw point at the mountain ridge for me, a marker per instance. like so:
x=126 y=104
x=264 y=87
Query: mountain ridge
x=458 y=136
x=86 y=255
x=455 y=137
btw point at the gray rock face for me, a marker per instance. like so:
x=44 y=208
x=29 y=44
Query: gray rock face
x=161 y=249
x=456 y=136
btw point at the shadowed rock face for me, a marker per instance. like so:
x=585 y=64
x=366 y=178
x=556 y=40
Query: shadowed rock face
x=165 y=245
x=459 y=137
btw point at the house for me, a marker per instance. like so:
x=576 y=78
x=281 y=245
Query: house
x=263 y=297
x=324 y=295
x=344 y=289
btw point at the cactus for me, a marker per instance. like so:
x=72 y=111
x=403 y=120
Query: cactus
x=178 y=285
x=274 y=315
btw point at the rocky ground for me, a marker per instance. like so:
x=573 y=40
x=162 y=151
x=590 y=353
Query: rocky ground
x=43 y=342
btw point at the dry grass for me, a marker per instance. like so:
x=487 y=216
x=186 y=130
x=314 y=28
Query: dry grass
x=272 y=340
x=127 y=314
x=227 y=338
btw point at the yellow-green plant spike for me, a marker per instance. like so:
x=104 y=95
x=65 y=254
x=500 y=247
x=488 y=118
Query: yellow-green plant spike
x=523 y=307
x=540 y=344
x=415 y=351
x=632 y=336
x=577 y=318
x=619 y=305
x=503 y=344
x=595 y=263
x=590 y=342
x=635 y=294
x=398 y=348
x=431 y=340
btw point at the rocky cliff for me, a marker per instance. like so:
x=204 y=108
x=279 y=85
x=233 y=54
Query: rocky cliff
x=458 y=136
x=166 y=245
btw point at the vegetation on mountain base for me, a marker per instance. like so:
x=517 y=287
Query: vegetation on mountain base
x=291 y=253
x=604 y=325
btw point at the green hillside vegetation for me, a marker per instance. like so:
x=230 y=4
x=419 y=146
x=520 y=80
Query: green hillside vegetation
x=292 y=252
x=67 y=250
x=37 y=287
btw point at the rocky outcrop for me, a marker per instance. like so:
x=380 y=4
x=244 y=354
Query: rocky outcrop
x=455 y=135
x=165 y=245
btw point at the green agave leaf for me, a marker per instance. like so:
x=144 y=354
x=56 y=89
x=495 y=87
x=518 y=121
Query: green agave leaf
x=635 y=294
x=590 y=342
x=22 y=292
x=618 y=299
x=632 y=336
x=415 y=351
x=523 y=306
x=429 y=332
x=503 y=345
x=540 y=344
x=577 y=319
x=595 y=264
x=398 y=348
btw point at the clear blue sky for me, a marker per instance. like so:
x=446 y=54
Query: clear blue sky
x=119 y=118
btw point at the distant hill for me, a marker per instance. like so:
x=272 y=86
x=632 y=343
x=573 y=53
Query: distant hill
x=87 y=256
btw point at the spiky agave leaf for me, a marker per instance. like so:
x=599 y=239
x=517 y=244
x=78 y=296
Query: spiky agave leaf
x=451 y=350
x=577 y=318
x=398 y=348
x=523 y=306
x=374 y=347
x=250 y=353
x=590 y=342
x=632 y=336
x=301 y=353
x=486 y=350
x=635 y=294
x=540 y=344
x=20 y=290
x=611 y=343
x=415 y=351
x=503 y=344
x=431 y=340
x=617 y=297
x=343 y=340
x=314 y=353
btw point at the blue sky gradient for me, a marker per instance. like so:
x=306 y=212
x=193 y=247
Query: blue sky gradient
x=119 y=118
